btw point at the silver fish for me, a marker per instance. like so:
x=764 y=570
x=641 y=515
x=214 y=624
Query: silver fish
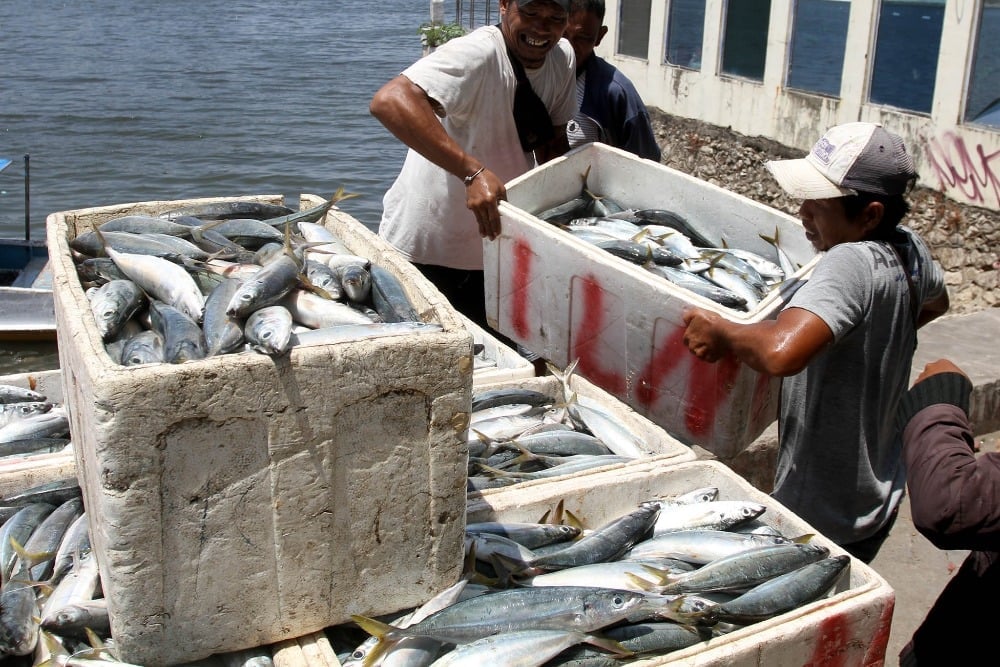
x=73 y=619
x=54 y=423
x=146 y=347
x=223 y=333
x=113 y=304
x=269 y=329
x=698 y=546
x=266 y=287
x=316 y=312
x=183 y=339
x=715 y=515
x=746 y=569
x=521 y=648
x=389 y=297
x=356 y=282
x=163 y=280
x=11 y=412
x=10 y=393
x=18 y=529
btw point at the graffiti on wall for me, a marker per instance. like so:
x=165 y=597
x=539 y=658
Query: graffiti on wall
x=966 y=173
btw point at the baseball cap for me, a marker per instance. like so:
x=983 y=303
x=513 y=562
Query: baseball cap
x=848 y=159
x=562 y=3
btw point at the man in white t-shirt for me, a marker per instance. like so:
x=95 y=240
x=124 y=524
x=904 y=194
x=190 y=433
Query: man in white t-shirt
x=455 y=109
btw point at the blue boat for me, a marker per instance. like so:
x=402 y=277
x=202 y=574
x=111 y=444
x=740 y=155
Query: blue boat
x=26 y=308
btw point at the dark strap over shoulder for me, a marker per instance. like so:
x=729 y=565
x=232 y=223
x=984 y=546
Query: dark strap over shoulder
x=534 y=125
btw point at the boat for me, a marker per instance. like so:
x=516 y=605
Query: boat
x=26 y=306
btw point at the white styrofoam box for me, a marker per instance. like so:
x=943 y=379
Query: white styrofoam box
x=18 y=473
x=500 y=361
x=568 y=300
x=850 y=627
x=241 y=500
x=657 y=443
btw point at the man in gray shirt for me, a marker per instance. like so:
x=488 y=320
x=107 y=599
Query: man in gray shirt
x=844 y=342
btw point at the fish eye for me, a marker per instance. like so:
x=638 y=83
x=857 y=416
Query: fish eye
x=618 y=599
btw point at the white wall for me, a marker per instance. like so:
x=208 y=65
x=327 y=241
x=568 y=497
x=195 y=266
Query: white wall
x=961 y=161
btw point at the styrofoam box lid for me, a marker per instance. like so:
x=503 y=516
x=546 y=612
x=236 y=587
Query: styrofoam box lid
x=861 y=597
x=659 y=445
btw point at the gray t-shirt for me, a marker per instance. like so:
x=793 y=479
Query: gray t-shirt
x=839 y=461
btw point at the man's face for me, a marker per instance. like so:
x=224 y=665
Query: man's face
x=584 y=32
x=826 y=223
x=533 y=30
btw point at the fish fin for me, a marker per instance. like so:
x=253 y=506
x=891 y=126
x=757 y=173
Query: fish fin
x=381 y=631
x=29 y=559
x=574 y=520
x=805 y=538
x=586 y=175
x=608 y=644
x=661 y=575
x=642 y=584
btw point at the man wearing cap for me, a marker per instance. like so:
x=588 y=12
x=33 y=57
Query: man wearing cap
x=455 y=109
x=844 y=342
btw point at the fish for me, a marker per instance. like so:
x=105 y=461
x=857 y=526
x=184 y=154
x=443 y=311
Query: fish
x=113 y=304
x=700 y=235
x=355 y=280
x=698 y=546
x=489 y=398
x=140 y=224
x=269 y=330
x=45 y=539
x=529 y=535
x=162 y=280
x=75 y=540
x=785 y=262
x=223 y=333
x=583 y=608
x=32 y=446
x=317 y=312
x=51 y=424
x=10 y=393
x=699 y=285
x=73 y=619
x=18 y=529
x=714 y=515
x=249 y=233
x=228 y=210
x=311 y=214
x=96 y=243
x=389 y=298
x=183 y=339
x=745 y=569
x=522 y=647
x=55 y=492
x=75 y=587
x=356 y=332
x=783 y=593
x=146 y=347
x=603 y=544
x=11 y=412
x=266 y=287
x=19 y=624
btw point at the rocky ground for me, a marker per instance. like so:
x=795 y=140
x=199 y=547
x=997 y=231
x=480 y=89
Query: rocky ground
x=962 y=238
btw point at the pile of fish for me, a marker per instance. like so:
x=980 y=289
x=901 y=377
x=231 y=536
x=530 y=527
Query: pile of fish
x=237 y=276
x=517 y=434
x=672 y=247
x=670 y=574
x=30 y=424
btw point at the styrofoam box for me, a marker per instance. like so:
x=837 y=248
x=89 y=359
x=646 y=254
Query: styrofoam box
x=509 y=365
x=241 y=500
x=18 y=473
x=570 y=301
x=658 y=445
x=850 y=627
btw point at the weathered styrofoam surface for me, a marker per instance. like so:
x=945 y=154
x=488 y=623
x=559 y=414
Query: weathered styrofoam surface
x=658 y=444
x=241 y=500
x=509 y=364
x=570 y=301
x=849 y=628
x=20 y=473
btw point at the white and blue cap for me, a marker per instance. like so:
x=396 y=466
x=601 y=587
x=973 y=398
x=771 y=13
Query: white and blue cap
x=848 y=159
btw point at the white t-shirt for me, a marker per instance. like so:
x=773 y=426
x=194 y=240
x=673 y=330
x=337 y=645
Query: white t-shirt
x=424 y=214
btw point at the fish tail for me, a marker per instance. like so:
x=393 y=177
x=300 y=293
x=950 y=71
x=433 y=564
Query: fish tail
x=609 y=644
x=385 y=634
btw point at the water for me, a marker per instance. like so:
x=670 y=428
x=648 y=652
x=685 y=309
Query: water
x=118 y=101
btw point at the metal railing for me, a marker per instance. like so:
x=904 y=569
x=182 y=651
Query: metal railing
x=469 y=14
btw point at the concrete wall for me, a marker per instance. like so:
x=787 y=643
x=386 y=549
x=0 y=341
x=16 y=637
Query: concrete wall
x=959 y=160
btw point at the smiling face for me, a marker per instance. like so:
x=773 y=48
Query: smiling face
x=533 y=30
x=584 y=32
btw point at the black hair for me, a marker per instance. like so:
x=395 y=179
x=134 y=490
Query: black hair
x=895 y=209
x=593 y=6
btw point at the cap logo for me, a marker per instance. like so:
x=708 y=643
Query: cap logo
x=823 y=150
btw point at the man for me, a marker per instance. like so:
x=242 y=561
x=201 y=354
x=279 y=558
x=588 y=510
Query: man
x=611 y=110
x=845 y=340
x=453 y=108
x=955 y=503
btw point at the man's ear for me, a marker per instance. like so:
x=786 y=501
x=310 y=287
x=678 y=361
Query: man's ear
x=600 y=35
x=871 y=216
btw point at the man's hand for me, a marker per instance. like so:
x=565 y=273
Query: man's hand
x=939 y=366
x=701 y=335
x=482 y=197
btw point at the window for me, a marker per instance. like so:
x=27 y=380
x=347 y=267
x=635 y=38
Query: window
x=744 y=44
x=633 y=28
x=685 y=32
x=906 y=53
x=819 y=36
x=983 y=104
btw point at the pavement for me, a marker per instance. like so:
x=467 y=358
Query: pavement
x=915 y=568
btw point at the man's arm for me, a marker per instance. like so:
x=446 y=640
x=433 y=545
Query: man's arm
x=779 y=347
x=412 y=116
x=934 y=309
